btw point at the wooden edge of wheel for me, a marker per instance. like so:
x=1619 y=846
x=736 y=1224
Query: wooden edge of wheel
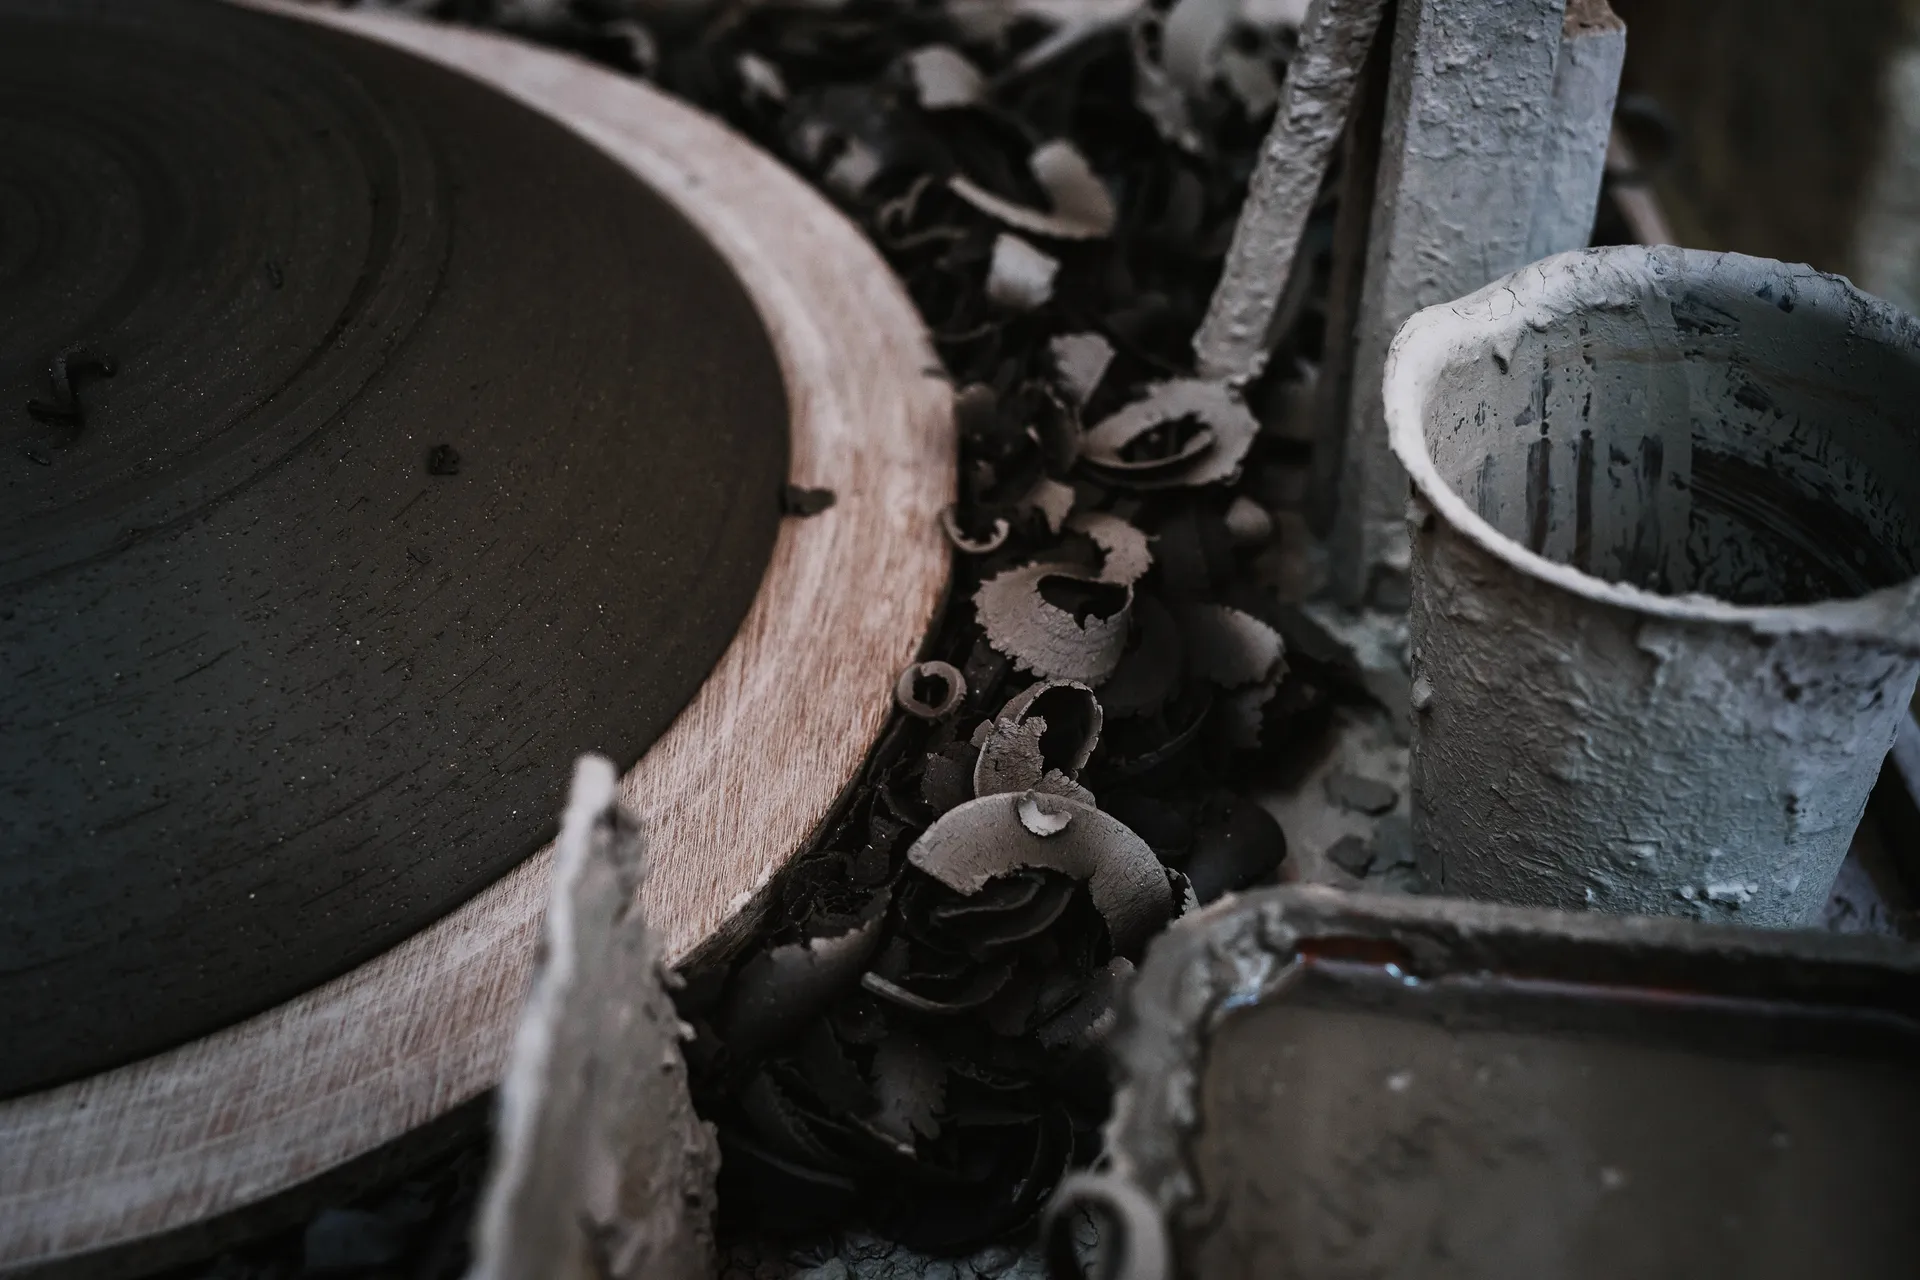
x=730 y=793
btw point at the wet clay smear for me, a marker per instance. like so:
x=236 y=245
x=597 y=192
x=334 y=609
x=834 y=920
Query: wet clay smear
x=912 y=1044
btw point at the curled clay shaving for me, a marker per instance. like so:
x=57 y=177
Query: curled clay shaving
x=781 y=1124
x=1154 y=91
x=855 y=160
x=854 y=169
x=1010 y=757
x=1013 y=761
x=985 y=838
x=1237 y=844
x=1250 y=78
x=1080 y=639
x=909 y=1088
x=1040 y=740
x=1076 y=715
x=1081 y=206
x=1224 y=431
x=1012 y=925
x=1191 y=40
x=986 y=984
x=1052 y=499
x=1231 y=648
x=1123 y=547
x=638 y=43
x=953 y=686
x=1042 y=635
x=976 y=411
x=1149 y=673
x=760 y=78
x=1248 y=523
x=1056 y=428
x=1196 y=720
x=1079 y=361
x=778 y=992
x=943 y=79
x=1019 y=276
x=950 y=522
x=947 y=777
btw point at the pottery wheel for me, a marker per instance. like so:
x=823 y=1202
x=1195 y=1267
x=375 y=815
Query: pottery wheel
x=369 y=445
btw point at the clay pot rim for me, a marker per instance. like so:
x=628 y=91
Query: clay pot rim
x=1550 y=291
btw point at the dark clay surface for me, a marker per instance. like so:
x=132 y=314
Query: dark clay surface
x=1361 y=1129
x=274 y=693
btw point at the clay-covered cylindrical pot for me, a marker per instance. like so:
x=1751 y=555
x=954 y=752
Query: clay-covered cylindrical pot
x=1665 y=619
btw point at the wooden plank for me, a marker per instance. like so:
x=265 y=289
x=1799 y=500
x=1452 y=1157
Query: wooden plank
x=1593 y=45
x=729 y=793
x=1315 y=101
x=1469 y=109
x=601 y=1169
x=1632 y=194
x=1333 y=391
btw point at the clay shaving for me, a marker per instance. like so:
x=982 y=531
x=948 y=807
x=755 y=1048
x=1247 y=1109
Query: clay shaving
x=1080 y=361
x=1231 y=648
x=601 y=1168
x=1184 y=432
x=991 y=541
x=782 y=989
x=944 y=79
x=930 y=690
x=1080 y=207
x=1019 y=276
x=985 y=838
x=1039 y=741
x=1056 y=623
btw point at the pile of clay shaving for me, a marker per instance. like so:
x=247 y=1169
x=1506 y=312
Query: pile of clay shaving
x=912 y=1044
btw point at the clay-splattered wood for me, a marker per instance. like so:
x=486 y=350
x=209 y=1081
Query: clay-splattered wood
x=1315 y=102
x=1593 y=46
x=1469 y=111
x=730 y=792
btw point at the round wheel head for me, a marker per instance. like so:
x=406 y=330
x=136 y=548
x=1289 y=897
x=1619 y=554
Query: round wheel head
x=370 y=445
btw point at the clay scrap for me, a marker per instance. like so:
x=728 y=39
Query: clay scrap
x=601 y=1168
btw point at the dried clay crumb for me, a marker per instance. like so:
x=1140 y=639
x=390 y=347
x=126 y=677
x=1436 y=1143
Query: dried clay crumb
x=1019 y=276
x=797 y=500
x=1080 y=206
x=943 y=78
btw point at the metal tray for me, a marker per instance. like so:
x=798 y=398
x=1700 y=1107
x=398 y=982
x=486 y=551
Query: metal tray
x=1321 y=1084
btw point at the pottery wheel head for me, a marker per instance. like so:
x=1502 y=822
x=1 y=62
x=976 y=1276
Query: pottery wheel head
x=369 y=446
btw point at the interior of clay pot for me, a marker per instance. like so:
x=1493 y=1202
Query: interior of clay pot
x=1724 y=435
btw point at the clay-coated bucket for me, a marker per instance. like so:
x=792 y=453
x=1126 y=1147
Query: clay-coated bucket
x=1665 y=621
